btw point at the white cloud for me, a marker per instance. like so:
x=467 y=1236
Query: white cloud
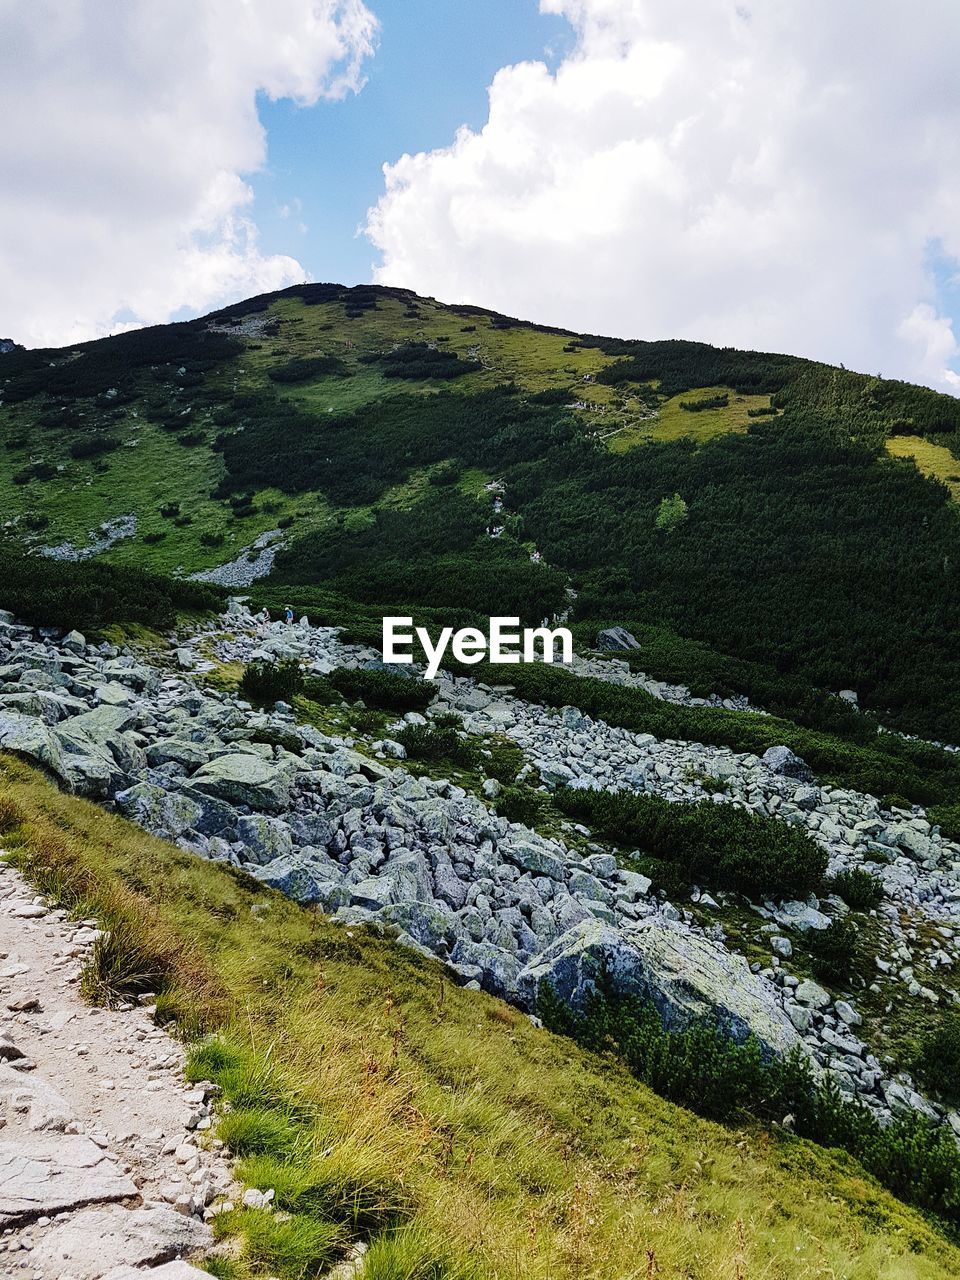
x=768 y=177
x=126 y=129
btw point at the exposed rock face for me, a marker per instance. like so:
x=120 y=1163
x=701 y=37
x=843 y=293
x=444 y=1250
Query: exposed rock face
x=682 y=974
x=48 y=1173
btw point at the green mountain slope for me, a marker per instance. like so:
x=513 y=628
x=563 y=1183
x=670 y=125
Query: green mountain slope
x=362 y=425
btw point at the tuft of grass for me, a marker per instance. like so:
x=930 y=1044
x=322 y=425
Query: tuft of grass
x=291 y=1247
x=411 y=1254
x=258 y=1131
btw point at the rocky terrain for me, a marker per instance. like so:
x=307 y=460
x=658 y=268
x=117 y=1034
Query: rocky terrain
x=344 y=823
x=106 y=1168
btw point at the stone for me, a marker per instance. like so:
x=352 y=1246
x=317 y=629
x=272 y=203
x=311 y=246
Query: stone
x=533 y=857
x=29 y=738
x=264 y=838
x=50 y=1173
x=800 y=916
x=617 y=640
x=499 y=968
x=782 y=947
x=783 y=761
x=245 y=779
x=96 y=1240
x=423 y=921
x=812 y=994
x=167 y=814
x=190 y=755
x=687 y=978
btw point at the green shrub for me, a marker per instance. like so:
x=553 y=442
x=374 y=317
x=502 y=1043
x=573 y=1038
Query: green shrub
x=833 y=950
x=699 y=1067
x=440 y=740
x=265 y=683
x=212 y=539
x=520 y=804
x=384 y=689
x=859 y=889
x=169 y=510
x=307 y=368
x=90 y=595
x=947 y=818
x=936 y=1061
x=709 y=843
x=93 y=446
x=258 y=1131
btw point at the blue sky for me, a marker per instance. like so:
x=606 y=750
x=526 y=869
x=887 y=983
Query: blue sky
x=777 y=176
x=430 y=74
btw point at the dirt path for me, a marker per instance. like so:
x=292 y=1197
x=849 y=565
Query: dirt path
x=101 y=1160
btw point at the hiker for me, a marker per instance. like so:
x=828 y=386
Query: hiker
x=288 y=615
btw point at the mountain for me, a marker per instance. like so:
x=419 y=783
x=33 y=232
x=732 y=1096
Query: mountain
x=765 y=525
x=715 y=857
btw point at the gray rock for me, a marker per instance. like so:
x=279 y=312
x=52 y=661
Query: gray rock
x=530 y=856
x=45 y=1174
x=783 y=761
x=810 y=993
x=167 y=814
x=93 y=1241
x=617 y=640
x=245 y=779
x=264 y=838
x=685 y=976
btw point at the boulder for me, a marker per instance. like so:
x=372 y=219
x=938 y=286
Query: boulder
x=617 y=640
x=499 y=969
x=245 y=779
x=264 y=838
x=33 y=740
x=189 y=755
x=685 y=976
x=308 y=876
x=167 y=814
x=423 y=921
x=534 y=857
x=782 y=760
x=46 y=1174
x=95 y=1240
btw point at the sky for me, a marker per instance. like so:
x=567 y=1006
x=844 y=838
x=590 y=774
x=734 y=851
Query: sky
x=770 y=175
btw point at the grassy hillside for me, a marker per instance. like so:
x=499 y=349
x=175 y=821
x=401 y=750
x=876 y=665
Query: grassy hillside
x=386 y=1105
x=365 y=424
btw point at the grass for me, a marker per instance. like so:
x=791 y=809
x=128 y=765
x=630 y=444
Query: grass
x=934 y=460
x=435 y=1122
x=673 y=422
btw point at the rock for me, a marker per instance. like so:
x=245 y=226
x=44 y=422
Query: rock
x=49 y=1173
x=617 y=639
x=685 y=976
x=782 y=947
x=245 y=779
x=847 y=1013
x=264 y=838
x=812 y=994
x=34 y=741
x=800 y=916
x=181 y=751
x=499 y=968
x=95 y=1240
x=533 y=857
x=168 y=1271
x=306 y=875
x=75 y=641
x=423 y=921
x=167 y=814
x=783 y=761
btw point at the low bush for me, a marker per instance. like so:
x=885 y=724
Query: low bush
x=265 y=683
x=860 y=890
x=710 y=402
x=701 y=1068
x=936 y=1061
x=307 y=368
x=378 y=687
x=90 y=595
x=709 y=843
x=93 y=446
x=520 y=804
x=212 y=539
x=440 y=740
x=833 y=950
